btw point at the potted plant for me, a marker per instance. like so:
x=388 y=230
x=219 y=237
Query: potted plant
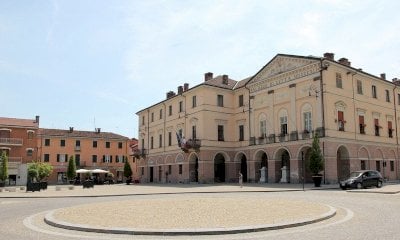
x=316 y=163
x=33 y=173
x=3 y=168
x=71 y=171
x=128 y=172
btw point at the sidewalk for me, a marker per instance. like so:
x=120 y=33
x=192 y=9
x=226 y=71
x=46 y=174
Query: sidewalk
x=55 y=191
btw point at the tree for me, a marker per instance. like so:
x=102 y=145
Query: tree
x=4 y=166
x=39 y=171
x=127 y=169
x=316 y=163
x=71 y=171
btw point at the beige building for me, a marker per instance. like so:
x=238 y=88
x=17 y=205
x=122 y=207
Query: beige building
x=263 y=126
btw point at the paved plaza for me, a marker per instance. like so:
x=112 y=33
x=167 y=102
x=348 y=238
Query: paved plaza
x=185 y=210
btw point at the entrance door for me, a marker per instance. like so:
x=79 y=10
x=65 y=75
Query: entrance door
x=151 y=174
x=243 y=168
x=219 y=168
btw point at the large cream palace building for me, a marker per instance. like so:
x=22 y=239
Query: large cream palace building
x=263 y=126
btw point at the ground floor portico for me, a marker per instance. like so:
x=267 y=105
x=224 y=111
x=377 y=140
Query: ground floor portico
x=268 y=163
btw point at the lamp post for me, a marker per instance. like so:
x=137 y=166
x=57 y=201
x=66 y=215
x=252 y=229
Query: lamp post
x=303 y=168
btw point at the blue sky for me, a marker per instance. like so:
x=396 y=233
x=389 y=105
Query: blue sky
x=92 y=64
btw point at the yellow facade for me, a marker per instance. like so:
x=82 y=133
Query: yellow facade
x=268 y=120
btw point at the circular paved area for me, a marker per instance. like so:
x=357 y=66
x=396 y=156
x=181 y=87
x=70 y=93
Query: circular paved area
x=189 y=215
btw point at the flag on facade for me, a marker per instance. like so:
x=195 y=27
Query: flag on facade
x=178 y=137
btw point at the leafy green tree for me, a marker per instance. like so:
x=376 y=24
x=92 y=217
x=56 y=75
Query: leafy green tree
x=33 y=172
x=4 y=166
x=39 y=171
x=316 y=163
x=127 y=169
x=71 y=171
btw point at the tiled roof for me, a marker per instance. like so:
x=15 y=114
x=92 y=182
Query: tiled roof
x=17 y=122
x=79 y=134
x=218 y=82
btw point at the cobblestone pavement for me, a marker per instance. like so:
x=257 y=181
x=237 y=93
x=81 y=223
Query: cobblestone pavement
x=22 y=218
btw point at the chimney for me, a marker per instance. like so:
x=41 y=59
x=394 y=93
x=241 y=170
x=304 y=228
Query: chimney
x=383 y=76
x=345 y=61
x=208 y=76
x=97 y=130
x=71 y=129
x=329 y=56
x=37 y=119
x=225 y=79
x=170 y=94
x=396 y=81
x=180 y=90
x=185 y=87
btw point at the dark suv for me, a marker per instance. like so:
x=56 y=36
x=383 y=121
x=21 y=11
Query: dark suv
x=362 y=179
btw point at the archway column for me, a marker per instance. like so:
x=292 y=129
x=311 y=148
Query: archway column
x=272 y=178
x=295 y=170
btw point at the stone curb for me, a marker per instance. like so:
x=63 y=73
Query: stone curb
x=49 y=219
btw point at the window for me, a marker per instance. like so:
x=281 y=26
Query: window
x=46 y=157
x=143 y=120
x=180 y=106
x=339 y=80
x=241 y=101
x=119 y=159
x=220 y=133
x=170 y=110
x=47 y=142
x=373 y=91
x=194 y=132
x=108 y=144
x=30 y=134
x=94 y=158
x=361 y=124
x=94 y=144
x=378 y=166
x=160 y=114
x=120 y=145
x=359 y=87
x=387 y=95
x=160 y=141
x=169 y=138
x=194 y=102
x=363 y=165
x=107 y=159
x=142 y=171
x=77 y=143
x=307 y=122
x=169 y=169
x=29 y=152
x=263 y=128
x=376 y=121
x=283 y=121
x=151 y=142
x=398 y=99
x=62 y=143
x=180 y=168
x=341 y=121
x=78 y=160
x=390 y=129
x=392 y=166
x=152 y=117
x=62 y=157
x=220 y=100
x=241 y=133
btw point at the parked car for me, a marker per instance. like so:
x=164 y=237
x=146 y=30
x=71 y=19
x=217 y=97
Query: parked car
x=362 y=179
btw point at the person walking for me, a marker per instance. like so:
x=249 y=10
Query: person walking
x=240 y=179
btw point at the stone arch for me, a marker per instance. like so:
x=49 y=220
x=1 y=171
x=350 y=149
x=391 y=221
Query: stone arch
x=220 y=159
x=179 y=158
x=169 y=160
x=343 y=162
x=303 y=154
x=261 y=160
x=193 y=167
x=282 y=165
x=241 y=161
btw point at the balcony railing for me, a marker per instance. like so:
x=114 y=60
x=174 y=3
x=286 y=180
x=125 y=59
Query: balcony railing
x=292 y=136
x=137 y=153
x=11 y=141
x=77 y=148
x=191 y=144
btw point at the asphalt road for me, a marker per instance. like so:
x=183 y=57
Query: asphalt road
x=359 y=216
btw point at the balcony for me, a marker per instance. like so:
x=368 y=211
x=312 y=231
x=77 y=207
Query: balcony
x=137 y=153
x=11 y=141
x=194 y=144
x=77 y=148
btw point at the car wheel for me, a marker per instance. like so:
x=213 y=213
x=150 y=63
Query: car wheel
x=359 y=186
x=379 y=184
x=343 y=188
